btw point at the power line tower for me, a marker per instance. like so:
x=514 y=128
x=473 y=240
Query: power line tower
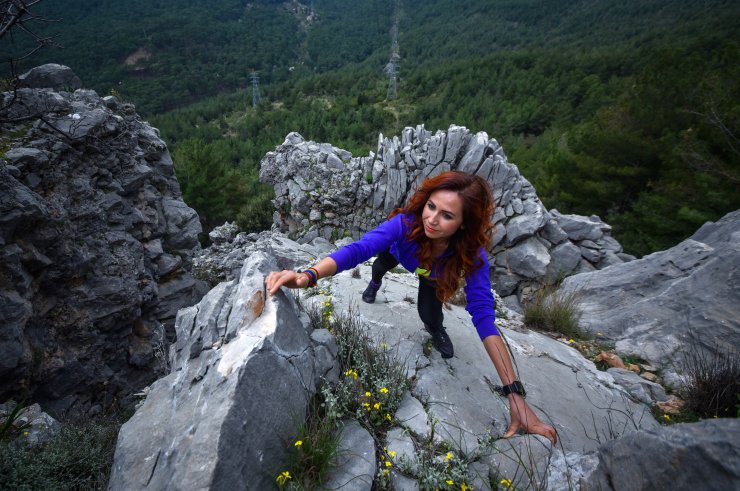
x=392 y=67
x=392 y=70
x=255 y=88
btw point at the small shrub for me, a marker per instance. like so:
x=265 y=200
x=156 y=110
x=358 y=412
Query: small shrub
x=553 y=311
x=371 y=385
x=78 y=457
x=314 y=449
x=437 y=466
x=713 y=385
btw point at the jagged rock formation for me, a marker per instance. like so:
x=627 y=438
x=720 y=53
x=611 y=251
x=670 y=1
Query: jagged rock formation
x=665 y=304
x=323 y=191
x=95 y=247
x=244 y=369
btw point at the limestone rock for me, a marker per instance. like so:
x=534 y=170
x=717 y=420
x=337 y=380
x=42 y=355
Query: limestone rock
x=654 y=307
x=703 y=455
x=218 y=421
x=354 y=467
x=639 y=388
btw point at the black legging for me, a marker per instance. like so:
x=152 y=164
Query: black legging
x=428 y=305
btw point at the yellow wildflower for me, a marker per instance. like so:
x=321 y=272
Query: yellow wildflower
x=506 y=483
x=283 y=477
x=376 y=406
x=367 y=394
x=388 y=464
x=388 y=416
x=392 y=453
x=351 y=373
x=385 y=472
x=299 y=443
x=366 y=405
x=666 y=417
x=450 y=482
x=383 y=390
x=571 y=341
x=465 y=487
x=448 y=456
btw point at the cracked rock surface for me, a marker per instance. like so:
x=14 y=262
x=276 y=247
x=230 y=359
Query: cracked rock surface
x=659 y=305
x=243 y=369
x=95 y=247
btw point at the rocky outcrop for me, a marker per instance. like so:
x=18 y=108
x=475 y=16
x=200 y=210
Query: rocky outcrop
x=703 y=455
x=454 y=396
x=322 y=191
x=664 y=305
x=608 y=435
x=96 y=246
x=244 y=368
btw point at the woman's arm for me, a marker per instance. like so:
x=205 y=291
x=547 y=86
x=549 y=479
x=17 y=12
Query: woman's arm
x=374 y=241
x=522 y=416
x=292 y=279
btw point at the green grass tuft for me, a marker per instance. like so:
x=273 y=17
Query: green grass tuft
x=713 y=381
x=553 y=311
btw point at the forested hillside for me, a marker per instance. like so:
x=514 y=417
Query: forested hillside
x=625 y=110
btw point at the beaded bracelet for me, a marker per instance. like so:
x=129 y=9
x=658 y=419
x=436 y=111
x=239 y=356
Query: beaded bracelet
x=313 y=276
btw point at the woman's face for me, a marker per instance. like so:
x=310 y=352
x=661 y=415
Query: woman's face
x=442 y=215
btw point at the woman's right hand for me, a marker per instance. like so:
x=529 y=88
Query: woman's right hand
x=287 y=278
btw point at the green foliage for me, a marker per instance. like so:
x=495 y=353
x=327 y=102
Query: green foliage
x=372 y=383
x=314 y=450
x=661 y=161
x=628 y=112
x=219 y=187
x=78 y=457
x=553 y=311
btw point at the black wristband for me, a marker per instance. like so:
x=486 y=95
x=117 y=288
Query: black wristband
x=515 y=387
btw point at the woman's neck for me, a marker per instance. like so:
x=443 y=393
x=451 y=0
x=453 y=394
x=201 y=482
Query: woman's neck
x=439 y=246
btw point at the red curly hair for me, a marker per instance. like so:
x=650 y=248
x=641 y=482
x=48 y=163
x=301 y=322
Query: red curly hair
x=475 y=232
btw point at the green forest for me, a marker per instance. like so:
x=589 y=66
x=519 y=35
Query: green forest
x=630 y=112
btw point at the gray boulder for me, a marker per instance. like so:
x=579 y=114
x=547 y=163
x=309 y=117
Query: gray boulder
x=244 y=369
x=51 y=75
x=639 y=388
x=662 y=306
x=703 y=455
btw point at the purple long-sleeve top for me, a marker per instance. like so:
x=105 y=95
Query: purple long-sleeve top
x=392 y=234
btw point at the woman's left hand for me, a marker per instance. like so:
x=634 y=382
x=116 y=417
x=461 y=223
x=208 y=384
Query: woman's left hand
x=523 y=418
